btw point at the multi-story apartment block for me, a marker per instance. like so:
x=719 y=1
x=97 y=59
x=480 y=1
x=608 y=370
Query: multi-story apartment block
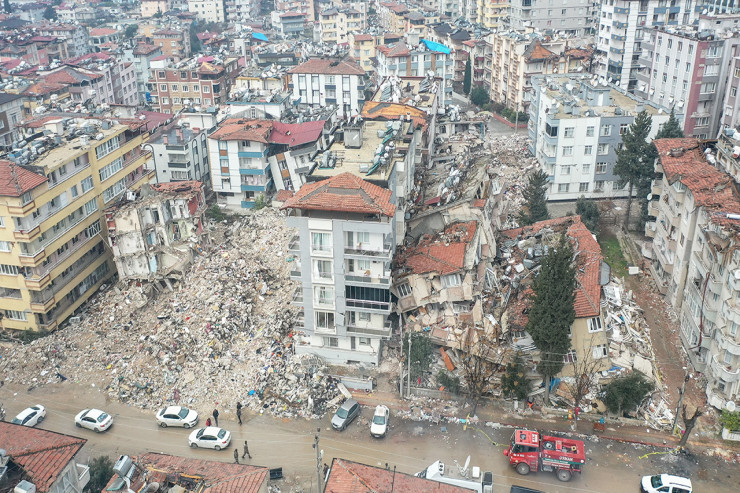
x=321 y=82
x=573 y=17
x=208 y=10
x=416 y=61
x=11 y=115
x=391 y=16
x=575 y=129
x=362 y=48
x=244 y=11
x=342 y=252
x=515 y=57
x=490 y=14
x=252 y=158
x=696 y=264
x=622 y=25
x=336 y=24
x=150 y=8
x=179 y=153
x=119 y=76
x=102 y=38
x=141 y=56
x=76 y=36
x=687 y=69
x=53 y=256
x=175 y=43
x=305 y=6
x=191 y=84
x=288 y=23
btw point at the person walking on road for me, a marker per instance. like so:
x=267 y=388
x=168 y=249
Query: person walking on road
x=236 y=455
x=215 y=416
x=246 y=450
x=239 y=412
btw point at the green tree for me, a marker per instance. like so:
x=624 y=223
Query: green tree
x=589 y=212
x=626 y=392
x=6 y=6
x=194 y=41
x=535 y=199
x=467 y=78
x=514 y=383
x=636 y=159
x=101 y=470
x=422 y=352
x=131 y=31
x=671 y=129
x=552 y=311
x=450 y=382
x=730 y=420
x=479 y=96
x=158 y=15
x=50 y=14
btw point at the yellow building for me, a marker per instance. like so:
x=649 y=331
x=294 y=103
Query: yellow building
x=336 y=24
x=53 y=256
x=362 y=47
x=491 y=12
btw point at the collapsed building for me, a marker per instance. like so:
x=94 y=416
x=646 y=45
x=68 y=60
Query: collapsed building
x=155 y=236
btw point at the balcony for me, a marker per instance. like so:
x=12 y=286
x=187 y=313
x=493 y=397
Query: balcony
x=26 y=235
x=69 y=175
x=650 y=228
x=385 y=279
x=297 y=296
x=724 y=371
x=362 y=251
x=22 y=210
x=371 y=331
x=295 y=244
x=295 y=275
x=369 y=305
x=659 y=279
x=727 y=343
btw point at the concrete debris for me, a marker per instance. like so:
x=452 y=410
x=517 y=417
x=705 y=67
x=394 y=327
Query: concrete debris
x=224 y=334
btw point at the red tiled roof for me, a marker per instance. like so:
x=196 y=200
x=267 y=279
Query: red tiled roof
x=241 y=129
x=710 y=187
x=166 y=32
x=102 y=31
x=283 y=195
x=363 y=37
x=536 y=51
x=178 y=186
x=395 y=50
x=144 y=49
x=292 y=14
x=295 y=134
x=16 y=180
x=347 y=66
x=353 y=477
x=392 y=111
x=209 y=476
x=443 y=253
x=71 y=75
x=42 y=454
x=343 y=193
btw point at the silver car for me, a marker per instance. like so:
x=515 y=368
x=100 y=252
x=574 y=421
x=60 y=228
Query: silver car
x=345 y=414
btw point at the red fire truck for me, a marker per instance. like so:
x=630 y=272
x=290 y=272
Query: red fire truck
x=530 y=451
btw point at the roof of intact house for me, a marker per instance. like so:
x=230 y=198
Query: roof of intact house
x=343 y=193
x=352 y=477
x=242 y=129
x=295 y=134
x=42 y=454
x=329 y=66
x=16 y=180
x=442 y=252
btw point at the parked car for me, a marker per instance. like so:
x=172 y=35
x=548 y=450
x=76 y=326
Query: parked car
x=665 y=483
x=31 y=416
x=345 y=414
x=177 y=416
x=210 y=437
x=93 y=419
x=379 y=425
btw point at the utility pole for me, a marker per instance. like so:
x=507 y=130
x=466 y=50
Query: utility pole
x=680 y=400
x=408 y=381
x=319 y=456
x=400 y=380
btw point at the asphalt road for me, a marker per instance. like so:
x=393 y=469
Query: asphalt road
x=409 y=446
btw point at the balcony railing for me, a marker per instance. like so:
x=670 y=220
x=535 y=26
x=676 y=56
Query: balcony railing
x=372 y=331
x=369 y=252
x=724 y=371
x=384 y=306
x=295 y=244
x=69 y=175
x=369 y=279
x=297 y=296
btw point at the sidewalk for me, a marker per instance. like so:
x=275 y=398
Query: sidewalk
x=641 y=435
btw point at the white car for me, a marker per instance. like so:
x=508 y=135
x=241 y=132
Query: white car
x=380 y=421
x=93 y=419
x=210 y=437
x=177 y=416
x=665 y=483
x=31 y=416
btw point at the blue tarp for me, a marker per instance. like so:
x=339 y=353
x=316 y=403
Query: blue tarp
x=262 y=37
x=438 y=47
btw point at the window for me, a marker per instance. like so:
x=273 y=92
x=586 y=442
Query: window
x=196 y=88
x=714 y=52
x=321 y=242
x=323 y=269
x=325 y=320
x=15 y=315
x=599 y=186
x=331 y=341
x=206 y=89
x=163 y=87
x=586 y=168
x=109 y=170
x=583 y=187
x=567 y=150
x=363 y=341
x=91 y=206
x=8 y=270
x=460 y=307
x=324 y=295
x=708 y=88
x=563 y=187
x=599 y=351
x=113 y=190
x=73 y=191
x=594 y=324
x=2 y=222
x=451 y=280
x=175 y=87
x=600 y=168
x=569 y=132
x=565 y=170
x=570 y=357
x=737 y=72
x=623 y=128
x=161 y=75
x=4 y=246
x=588 y=150
x=404 y=290
x=589 y=131
x=711 y=70
x=106 y=147
x=603 y=149
x=185 y=88
x=606 y=130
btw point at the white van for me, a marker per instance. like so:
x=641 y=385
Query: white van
x=665 y=483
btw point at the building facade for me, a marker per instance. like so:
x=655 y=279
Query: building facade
x=11 y=115
x=179 y=153
x=572 y=17
x=208 y=10
x=321 y=82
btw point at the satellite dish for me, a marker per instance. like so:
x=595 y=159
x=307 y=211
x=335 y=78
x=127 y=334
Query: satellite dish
x=730 y=406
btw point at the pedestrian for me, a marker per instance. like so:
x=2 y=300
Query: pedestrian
x=236 y=455
x=246 y=450
x=208 y=422
x=215 y=416
x=239 y=412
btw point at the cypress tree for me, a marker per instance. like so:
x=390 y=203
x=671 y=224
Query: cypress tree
x=468 y=78
x=535 y=199
x=671 y=129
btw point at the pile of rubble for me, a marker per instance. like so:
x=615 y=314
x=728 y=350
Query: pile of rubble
x=223 y=335
x=512 y=162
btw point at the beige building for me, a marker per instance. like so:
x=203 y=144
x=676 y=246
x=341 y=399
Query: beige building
x=149 y=8
x=362 y=47
x=336 y=24
x=491 y=13
x=53 y=256
x=208 y=10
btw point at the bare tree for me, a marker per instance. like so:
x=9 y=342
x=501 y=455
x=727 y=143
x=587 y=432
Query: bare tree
x=585 y=376
x=482 y=357
x=689 y=423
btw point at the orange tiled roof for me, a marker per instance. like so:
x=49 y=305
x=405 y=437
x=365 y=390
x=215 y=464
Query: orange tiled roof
x=284 y=195
x=395 y=50
x=392 y=111
x=343 y=193
x=434 y=253
x=16 y=180
x=347 y=66
x=353 y=477
x=178 y=186
x=536 y=51
x=102 y=31
x=242 y=129
x=363 y=37
x=42 y=454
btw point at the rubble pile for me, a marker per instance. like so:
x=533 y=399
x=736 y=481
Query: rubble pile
x=513 y=162
x=222 y=335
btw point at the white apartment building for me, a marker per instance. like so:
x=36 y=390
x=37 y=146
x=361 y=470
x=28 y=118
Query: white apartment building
x=622 y=25
x=208 y=10
x=179 y=153
x=687 y=69
x=321 y=82
x=696 y=260
x=575 y=128
x=342 y=252
x=576 y=17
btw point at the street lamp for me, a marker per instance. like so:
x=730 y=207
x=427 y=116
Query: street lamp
x=154 y=159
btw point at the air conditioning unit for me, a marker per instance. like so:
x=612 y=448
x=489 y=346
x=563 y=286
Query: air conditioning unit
x=25 y=487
